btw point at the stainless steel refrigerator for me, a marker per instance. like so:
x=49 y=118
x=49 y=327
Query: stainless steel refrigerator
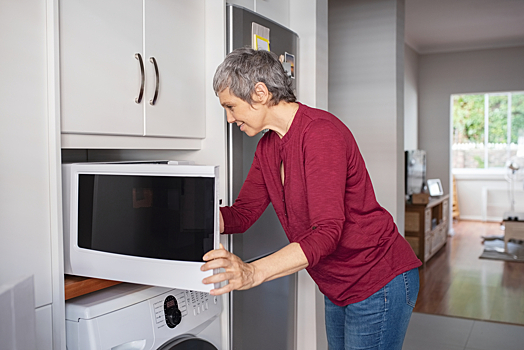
x=263 y=317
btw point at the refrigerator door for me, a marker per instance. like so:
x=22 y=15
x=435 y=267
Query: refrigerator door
x=266 y=235
x=263 y=317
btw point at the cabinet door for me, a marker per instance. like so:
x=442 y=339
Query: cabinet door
x=100 y=76
x=175 y=38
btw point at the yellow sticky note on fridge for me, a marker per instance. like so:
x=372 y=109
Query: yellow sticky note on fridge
x=261 y=43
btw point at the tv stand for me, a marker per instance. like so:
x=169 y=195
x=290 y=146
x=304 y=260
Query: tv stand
x=427 y=225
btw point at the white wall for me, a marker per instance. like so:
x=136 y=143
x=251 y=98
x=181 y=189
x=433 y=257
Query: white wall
x=366 y=77
x=444 y=74
x=485 y=197
x=410 y=98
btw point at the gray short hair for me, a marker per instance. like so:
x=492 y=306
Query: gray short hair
x=243 y=68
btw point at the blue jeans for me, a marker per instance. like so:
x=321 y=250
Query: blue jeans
x=376 y=323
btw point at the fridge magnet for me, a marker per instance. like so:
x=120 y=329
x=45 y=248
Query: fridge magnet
x=261 y=43
x=289 y=58
x=287 y=68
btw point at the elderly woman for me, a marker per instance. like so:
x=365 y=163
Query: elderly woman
x=310 y=168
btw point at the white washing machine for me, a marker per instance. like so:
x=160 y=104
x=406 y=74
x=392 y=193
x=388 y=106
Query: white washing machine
x=137 y=317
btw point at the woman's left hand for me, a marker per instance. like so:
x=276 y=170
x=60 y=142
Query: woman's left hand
x=239 y=274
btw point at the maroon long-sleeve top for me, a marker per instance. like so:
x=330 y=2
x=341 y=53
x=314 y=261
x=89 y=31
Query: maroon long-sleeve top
x=327 y=204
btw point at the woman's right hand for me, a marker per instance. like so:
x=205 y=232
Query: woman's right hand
x=221 y=222
x=240 y=275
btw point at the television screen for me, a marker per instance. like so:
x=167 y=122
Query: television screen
x=415 y=171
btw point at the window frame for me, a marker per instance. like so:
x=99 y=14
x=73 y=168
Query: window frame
x=488 y=171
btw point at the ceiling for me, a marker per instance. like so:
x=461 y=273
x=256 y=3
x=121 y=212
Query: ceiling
x=457 y=25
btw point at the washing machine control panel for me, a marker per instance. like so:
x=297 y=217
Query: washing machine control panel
x=172 y=313
x=184 y=308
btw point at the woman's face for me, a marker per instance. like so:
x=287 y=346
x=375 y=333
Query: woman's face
x=249 y=118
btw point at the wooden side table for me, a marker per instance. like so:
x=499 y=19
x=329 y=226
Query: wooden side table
x=426 y=226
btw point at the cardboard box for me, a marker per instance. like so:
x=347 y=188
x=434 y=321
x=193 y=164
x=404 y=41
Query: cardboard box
x=420 y=198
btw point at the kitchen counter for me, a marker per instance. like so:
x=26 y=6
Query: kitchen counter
x=76 y=286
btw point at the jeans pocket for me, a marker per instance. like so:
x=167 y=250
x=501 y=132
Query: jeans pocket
x=411 y=281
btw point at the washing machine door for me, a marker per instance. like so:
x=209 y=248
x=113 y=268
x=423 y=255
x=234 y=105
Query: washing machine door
x=187 y=343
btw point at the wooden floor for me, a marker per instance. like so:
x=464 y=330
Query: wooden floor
x=455 y=282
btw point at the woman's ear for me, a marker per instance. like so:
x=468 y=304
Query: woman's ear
x=262 y=94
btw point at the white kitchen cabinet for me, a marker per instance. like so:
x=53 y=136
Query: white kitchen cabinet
x=109 y=79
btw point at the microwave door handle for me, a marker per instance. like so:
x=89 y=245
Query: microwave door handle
x=157 y=81
x=142 y=78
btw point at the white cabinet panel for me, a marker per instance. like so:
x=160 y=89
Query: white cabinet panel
x=25 y=237
x=17 y=315
x=100 y=76
x=175 y=37
x=277 y=10
x=44 y=334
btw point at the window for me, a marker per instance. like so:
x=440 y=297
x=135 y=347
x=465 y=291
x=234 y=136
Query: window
x=488 y=129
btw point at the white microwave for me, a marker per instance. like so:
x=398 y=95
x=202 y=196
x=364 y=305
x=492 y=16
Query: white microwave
x=140 y=222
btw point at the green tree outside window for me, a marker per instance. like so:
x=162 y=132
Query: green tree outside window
x=470 y=147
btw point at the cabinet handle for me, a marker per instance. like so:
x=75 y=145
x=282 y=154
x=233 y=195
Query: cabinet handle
x=157 y=81
x=143 y=78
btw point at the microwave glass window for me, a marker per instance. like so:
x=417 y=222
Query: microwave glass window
x=160 y=217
